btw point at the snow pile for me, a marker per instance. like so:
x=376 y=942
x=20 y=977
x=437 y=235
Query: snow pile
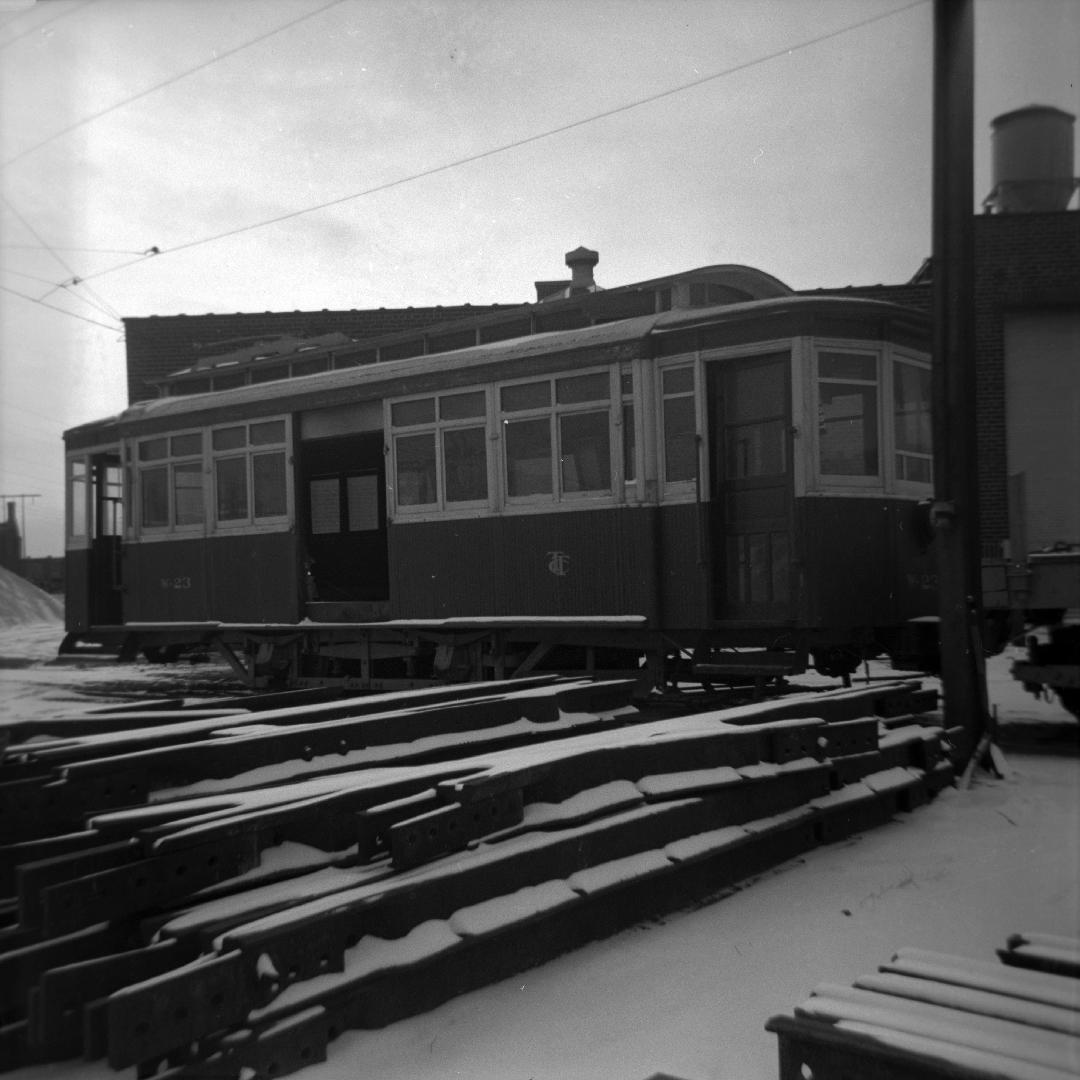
x=21 y=602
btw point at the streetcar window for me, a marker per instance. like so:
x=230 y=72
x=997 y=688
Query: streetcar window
x=359 y=511
x=860 y=366
x=362 y=495
x=567 y=444
x=154 y=497
x=173 y=482
x=416 y=470
x=680 y=424
x=911 y=422
x=227 y=382
x=585 y=452
x=268 y=484
x=557 y=438
x=250 y=486
x=307 y=367
x=536 y=395
x=463 y=406
x=77 y=494
x=108 y=500
x=680 y=440
x=187 y=494
x=268 y=374
x=231 y=438
x=267 y=432
x=755 y=419
x=232 y=495
x=848 y=435
x=465 y=463
x=153 y=449
x=183 y=445
x=410 y=413
x=528 y=457
x=678 y=380
x=580 y=388
x=629 y=430
x=325 y=506
x=171 y=490
x=448 y=462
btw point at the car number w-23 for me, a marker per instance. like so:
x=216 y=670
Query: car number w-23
x=176 y=582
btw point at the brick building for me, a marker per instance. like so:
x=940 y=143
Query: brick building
x=1027 y=311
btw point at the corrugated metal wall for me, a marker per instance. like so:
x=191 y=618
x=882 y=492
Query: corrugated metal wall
x=250 y=578
x=589 y=562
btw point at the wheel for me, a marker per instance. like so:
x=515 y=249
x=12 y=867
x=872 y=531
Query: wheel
x=836 y=661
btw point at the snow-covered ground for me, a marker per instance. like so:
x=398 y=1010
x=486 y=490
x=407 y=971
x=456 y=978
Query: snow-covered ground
x=34 y=686
x=22 y=602
x=689 y=994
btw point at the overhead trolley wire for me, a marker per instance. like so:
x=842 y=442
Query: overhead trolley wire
x=168 y=82
x=63 y=311
x=113 y=314
x=527 y=140
x=59 y=247
x=29 y=277
x=98 y=303
x=94 y=300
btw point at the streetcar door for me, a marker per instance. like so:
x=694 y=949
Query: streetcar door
x=107 y=506
x=344 y=500
x=751 y=478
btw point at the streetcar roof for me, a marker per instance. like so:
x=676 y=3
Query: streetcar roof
x=310 y=391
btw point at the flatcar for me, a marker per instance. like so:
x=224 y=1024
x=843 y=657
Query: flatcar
x=740 y=488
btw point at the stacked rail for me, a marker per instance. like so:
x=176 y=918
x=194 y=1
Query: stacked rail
x=932 y=1016
x=223 y=895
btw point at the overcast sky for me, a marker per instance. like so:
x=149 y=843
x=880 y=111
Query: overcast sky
x=131 y=124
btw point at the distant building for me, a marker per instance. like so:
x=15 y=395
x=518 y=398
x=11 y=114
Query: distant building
x=10 y=541
x=46 y=572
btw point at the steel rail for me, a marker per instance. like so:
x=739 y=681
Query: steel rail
x=173 y=928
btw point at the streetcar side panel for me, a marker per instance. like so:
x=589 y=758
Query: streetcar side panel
x=241 y=578
x=867 y=562
x=578 y=563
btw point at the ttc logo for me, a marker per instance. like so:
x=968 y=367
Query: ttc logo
x=558 y=563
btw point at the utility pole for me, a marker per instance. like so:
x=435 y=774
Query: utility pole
x=955 y=508
x=22 y=496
